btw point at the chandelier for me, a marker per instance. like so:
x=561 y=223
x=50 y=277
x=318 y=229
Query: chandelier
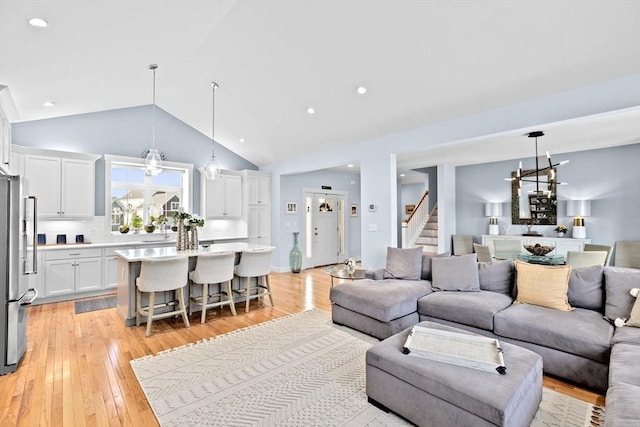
x=153 y=158
x=212 y=170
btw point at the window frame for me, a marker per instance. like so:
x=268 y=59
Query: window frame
x=111 y=160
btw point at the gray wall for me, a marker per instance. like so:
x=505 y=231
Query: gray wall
x=609 y=177
x=126 y=132
x=292 y=186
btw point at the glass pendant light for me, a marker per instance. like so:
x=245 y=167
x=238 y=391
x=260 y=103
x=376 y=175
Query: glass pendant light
x=212 y=170
x=153 y=159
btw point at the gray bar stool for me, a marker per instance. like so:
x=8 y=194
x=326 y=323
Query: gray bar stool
x=211 y=269
x=161 y=275
x=255 y=264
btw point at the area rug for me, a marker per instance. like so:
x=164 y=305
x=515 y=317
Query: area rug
x=95 y=304
x=299 y=370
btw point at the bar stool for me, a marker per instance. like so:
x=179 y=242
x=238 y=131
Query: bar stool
x=214 y=268
x=255 y=264
x=161 y=275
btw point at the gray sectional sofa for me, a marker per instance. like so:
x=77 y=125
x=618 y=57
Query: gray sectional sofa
x=578 y=342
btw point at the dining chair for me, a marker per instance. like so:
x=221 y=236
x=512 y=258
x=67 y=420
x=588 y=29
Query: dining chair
x=212 y=269
x=627 y=254
x=483 y=252
x=254 y=265
x=579 y=259
x=462 y=244
x=161 y=275
x=507 y=246
x=592 y=247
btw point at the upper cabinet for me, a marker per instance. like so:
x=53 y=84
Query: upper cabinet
x=64 y=186
x=259 y=188
x=221 y=197
x=8 y=114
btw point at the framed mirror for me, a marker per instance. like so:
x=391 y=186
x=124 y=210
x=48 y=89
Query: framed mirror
x=531 y=206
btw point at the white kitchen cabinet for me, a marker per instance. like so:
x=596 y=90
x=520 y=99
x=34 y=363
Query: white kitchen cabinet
x=222 y=197
x=259 y=224
x=259 y=188
x=5 y=143
x=110 y=263
x=72 y=271
x=65 y=187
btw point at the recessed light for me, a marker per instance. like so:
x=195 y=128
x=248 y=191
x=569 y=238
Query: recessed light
x=38 y=22
x=241 y=140
x=361 y=90
x=311 y=110
x=350 y=165
x=401 y=174
x=48 y=103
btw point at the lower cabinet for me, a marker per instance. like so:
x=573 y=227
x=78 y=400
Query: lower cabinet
x=68 y=272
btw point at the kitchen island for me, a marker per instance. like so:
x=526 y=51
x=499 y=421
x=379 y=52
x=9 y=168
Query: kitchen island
x=128 y=270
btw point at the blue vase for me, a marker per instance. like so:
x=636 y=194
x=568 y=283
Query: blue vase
x=295 y=256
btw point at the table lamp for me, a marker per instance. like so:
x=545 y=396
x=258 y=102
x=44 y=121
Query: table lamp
x=493 y=211
x=578 y=209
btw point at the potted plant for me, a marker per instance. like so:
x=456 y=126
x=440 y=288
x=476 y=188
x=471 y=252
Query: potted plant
x=560 y=230
x=151 y=226
x=124 y=228
x=136 y=223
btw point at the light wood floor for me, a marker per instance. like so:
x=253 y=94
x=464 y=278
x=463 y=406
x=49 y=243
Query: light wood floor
x=76 y=369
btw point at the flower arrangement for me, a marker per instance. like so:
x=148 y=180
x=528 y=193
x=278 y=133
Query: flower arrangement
x=351 y=265
x=561 y=228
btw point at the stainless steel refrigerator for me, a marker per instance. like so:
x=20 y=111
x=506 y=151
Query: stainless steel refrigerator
x=18 y=255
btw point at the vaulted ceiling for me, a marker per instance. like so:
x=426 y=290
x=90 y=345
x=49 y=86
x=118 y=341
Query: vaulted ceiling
x=420 y=61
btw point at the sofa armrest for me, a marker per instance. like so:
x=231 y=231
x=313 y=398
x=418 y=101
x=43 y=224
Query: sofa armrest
x=377 y=274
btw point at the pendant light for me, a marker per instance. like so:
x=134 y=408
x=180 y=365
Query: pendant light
x=152 y=158
x=212 y=170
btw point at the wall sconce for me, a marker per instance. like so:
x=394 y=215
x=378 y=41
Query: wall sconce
x=578 y=209
x=493 y=211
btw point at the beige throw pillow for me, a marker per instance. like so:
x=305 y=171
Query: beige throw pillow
x=542 y=285
x=634 y=317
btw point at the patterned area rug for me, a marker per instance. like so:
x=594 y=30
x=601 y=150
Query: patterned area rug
x=300 y=370
x=95 y=304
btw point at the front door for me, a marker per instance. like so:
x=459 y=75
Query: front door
x=325 y=229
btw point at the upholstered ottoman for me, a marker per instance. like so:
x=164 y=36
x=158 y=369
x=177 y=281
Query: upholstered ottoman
x=430 y=393
x=379 y=308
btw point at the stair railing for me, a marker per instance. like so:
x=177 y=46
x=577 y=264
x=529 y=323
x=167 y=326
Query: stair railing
x=412 y=226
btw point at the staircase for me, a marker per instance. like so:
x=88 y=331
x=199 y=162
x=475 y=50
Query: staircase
x=428 y=237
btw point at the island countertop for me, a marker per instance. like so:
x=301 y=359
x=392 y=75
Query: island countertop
x=133 y=255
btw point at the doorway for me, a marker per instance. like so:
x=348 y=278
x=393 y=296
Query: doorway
x=325 y=225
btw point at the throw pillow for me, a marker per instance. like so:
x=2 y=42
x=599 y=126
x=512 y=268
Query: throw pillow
x=403 y=263
x=586 y=288
x=496 y=276
x=617 y=284
x=634 y=317
x=542 y=285
x=458 y=273
x=426 y=264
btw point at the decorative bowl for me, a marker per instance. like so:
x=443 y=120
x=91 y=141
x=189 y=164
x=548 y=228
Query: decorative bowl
x=538 y=249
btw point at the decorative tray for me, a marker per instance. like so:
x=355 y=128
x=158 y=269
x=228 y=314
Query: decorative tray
x=471 y=351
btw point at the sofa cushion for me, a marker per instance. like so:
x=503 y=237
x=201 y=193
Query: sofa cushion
x=581 y=332
x=543 y=285
x=617 y=284
x=403 y=263
x=622 y=405
x=586 y=288
x=496 y=276
x=468 y=308
x=624 y=365
x=627 y=335
x=426 y=264
x=458 y=273
x=383 y=300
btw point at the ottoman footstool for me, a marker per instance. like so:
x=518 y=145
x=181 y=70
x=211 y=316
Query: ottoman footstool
x=430 y=393
x=379 y=308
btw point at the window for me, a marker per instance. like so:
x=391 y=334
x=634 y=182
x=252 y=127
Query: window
x=130 y=193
